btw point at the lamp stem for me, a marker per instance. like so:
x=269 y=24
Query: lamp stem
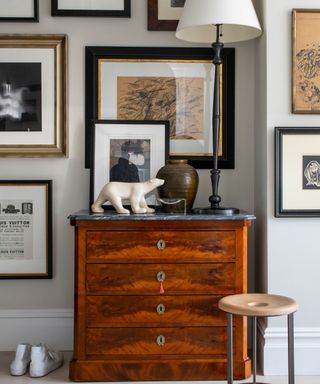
x=217 y=47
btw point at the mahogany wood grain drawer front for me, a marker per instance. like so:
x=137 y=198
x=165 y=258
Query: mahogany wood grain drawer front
x=146 y=299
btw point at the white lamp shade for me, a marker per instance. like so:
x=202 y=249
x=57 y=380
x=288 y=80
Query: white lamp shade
x=238 y=18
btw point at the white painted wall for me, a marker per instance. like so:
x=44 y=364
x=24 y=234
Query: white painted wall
x=292 y=244
x=33 y=311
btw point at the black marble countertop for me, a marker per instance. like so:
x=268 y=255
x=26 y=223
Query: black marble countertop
x=112 y=215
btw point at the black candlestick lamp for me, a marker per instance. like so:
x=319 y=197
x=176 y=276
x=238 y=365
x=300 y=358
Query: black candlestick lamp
x=232 y=20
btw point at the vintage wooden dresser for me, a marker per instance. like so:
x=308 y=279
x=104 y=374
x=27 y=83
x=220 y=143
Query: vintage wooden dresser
x=146 y=294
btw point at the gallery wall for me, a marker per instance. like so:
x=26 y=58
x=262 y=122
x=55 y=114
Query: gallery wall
x=41 y=310
x=287 y=247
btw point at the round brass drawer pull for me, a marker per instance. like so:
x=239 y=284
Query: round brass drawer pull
x=161 y=340
x=161 y=245
x=161 y=309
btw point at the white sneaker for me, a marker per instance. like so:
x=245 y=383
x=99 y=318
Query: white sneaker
x=21 y=361
x=44 y=360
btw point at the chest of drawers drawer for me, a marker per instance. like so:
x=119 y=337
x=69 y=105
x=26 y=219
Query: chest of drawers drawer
x=156 y=341
x=153 y=311
x=179 y=246
x=133 y=279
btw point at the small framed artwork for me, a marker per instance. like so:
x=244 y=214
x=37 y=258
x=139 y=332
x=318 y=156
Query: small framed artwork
x=26 y=229
x=164 y=15
x=91 y=8
x=297 y=161
x=33 y=114
x=174 y=84
x=20 y=11
x=306 y=57
x=128 y=151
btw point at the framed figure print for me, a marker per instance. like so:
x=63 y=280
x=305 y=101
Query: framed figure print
x=26 y=229
x=33 y=114
x=174 y=84
x=306 y=58
x=128 y=151
x=19 y=11
x=164 y=15
x=92 y=8
x=297 y=152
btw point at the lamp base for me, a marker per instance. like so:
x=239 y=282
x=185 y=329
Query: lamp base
x=216 y=211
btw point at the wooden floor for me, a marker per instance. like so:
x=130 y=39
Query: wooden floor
x=61 y=375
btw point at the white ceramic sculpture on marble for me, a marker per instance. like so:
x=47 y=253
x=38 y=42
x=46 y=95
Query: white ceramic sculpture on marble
x=115 y=191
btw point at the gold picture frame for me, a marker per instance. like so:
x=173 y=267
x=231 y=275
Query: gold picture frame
x=33 y=119
x=305 y=61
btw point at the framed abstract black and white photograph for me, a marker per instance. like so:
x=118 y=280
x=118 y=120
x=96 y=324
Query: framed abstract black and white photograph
x=164 y=15
x=128 y=151
x=174 y=84
x=91 y=8
x=297 y=160
x=19 y=11
x=26 y=229
x=33 y=114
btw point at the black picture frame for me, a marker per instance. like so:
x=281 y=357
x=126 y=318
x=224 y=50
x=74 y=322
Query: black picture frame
x=98 y=174
x=36 y=214
x=296 y=149
x=96 y=54
x=55 y=11
x=33 y=19
x=154 y=23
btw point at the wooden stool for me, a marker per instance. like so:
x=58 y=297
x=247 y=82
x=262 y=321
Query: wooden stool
x=258 y=305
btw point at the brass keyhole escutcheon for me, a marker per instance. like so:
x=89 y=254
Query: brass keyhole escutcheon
x=161 y=340
x=161 y=276
x=161 y=245
x=161 y=309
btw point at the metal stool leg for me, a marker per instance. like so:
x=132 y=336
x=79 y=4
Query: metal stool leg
x=290 y=349
x=254 y=349
x=230 y=348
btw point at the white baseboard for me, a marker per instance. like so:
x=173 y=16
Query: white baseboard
x=51 y=326
x=306 y=351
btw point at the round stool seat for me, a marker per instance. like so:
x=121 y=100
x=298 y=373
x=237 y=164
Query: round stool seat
x=258 y=304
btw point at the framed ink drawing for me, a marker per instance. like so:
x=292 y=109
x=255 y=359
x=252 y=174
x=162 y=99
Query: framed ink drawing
x=306 y=58
x=25 y=229
x=19 y=11
x=92 y=8
x=128 y=151
x=174 y=84
x=33 y=115
x=297 y=160
x=163 y=15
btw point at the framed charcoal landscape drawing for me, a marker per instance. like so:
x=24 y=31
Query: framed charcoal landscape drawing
x=297 y=160
x=174 y=84
x=19 y=11
x=306 y=61
x=164 y=15
x=26 y=229
x=91 y=8
x=127 y=151
x=33 y=107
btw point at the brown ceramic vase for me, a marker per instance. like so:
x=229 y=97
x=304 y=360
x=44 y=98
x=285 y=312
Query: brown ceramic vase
x=181 y=181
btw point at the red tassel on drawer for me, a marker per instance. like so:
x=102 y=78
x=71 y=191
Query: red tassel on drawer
x=161 y=288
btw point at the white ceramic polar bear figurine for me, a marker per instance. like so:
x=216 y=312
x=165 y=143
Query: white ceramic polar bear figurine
x=116 y=191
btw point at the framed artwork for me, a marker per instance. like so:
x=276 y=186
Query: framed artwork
x=164 y=15
x=20 y=11
x=26 y=229
x=33 y=114
x=128 y=151
x=306 y=59
x=174 y=84
x=297 y=160
x=92 y=8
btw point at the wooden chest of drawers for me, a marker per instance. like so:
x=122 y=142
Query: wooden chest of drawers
x=146 y=294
